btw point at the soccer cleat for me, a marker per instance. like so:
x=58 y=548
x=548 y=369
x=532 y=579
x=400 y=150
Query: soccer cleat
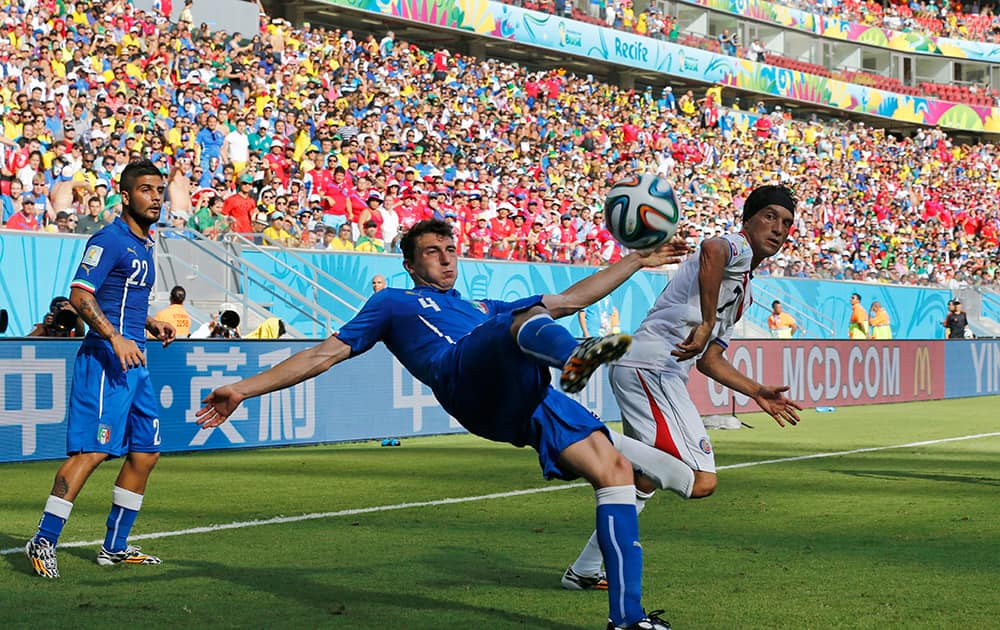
x=651 y=621
x=129 y=555
x=588 y=356
x=573 y=581
x=42 y=555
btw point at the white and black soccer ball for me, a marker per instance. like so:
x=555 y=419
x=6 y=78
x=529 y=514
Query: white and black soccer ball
x=642 y=212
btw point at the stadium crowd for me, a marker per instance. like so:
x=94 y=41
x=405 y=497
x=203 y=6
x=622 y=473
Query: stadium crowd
x=317 y=138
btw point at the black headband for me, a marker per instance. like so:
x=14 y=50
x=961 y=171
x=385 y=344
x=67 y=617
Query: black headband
x=767 y=196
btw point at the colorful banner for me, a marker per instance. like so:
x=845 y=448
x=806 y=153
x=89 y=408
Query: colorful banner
x=835 y=28
x=588 y=40
x=830 y=373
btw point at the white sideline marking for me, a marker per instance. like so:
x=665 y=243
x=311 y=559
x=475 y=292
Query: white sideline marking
x=278 y=520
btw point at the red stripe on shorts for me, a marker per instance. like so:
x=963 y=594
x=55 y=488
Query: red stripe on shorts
x=664 y=441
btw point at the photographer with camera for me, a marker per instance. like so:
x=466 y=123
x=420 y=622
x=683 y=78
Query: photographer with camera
x=60 y=321
x=224 y=326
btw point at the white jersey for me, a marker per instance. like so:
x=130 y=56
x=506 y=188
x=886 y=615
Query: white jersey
x=678 y=310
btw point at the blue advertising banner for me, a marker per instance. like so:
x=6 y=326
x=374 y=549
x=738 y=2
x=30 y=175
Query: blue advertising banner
x=973 y=368
x=371 y=396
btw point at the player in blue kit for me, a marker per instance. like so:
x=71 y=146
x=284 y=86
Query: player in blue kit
x=487 y=363
x=112 y=408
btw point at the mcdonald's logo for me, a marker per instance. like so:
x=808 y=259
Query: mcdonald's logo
x=922 y=377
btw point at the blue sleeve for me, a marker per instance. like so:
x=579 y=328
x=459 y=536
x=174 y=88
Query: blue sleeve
x=99 y=259
x=496 y=307
x=370 y=325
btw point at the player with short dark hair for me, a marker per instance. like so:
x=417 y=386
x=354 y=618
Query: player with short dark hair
x=691 y=323
x=112 y=408
x=488 y=364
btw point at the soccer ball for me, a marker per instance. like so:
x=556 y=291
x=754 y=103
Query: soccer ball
x=641 y=212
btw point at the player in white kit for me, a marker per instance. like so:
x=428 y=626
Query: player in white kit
x=691 y=323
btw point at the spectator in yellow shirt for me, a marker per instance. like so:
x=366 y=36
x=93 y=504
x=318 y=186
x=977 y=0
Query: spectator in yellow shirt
x=781 y=324
x=368 y=242
x=343 y=240
x=276 y=234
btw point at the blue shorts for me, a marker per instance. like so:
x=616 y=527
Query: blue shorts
x=110 y=411
x=497 y=392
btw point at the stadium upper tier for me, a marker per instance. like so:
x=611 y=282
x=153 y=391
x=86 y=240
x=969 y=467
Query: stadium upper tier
x=945 y=19
x=915 y=18
x=353 y=126
x=658 y=24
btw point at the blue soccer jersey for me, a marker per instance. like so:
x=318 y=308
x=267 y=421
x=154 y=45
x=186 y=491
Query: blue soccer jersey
x=465 y=352
x=119 y=268
x=418 y=324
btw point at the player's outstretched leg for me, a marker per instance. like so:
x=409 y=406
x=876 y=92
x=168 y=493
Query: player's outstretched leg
x=588 y=356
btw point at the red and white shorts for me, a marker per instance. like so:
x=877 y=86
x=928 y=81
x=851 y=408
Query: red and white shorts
x=657 y=410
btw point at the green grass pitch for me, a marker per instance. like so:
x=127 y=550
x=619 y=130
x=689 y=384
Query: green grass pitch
x=884 y=538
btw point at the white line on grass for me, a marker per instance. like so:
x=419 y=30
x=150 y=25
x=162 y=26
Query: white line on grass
x=278 y=520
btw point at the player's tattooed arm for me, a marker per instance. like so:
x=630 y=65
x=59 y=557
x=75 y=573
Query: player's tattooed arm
x=86 y=305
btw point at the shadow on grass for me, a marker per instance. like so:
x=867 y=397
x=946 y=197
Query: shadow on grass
x=901 y=475
x=302 y=586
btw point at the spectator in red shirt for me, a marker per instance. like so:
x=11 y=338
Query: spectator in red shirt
x=241 y=206
x=567 y=239
x=26 y=219
x=480 y=238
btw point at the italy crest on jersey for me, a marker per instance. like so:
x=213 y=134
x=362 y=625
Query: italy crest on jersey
x=103 y=434
x=481 y=306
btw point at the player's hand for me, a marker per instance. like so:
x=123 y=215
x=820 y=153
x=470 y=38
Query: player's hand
x=695 y=343
x=164 y=331
x=671 y=252
x=774 y=403
x=128 y=353
x=219 y=405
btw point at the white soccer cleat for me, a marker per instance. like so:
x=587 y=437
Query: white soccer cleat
x=590 y=355
x=573 y=581
x=130 y=555
x=42 y=555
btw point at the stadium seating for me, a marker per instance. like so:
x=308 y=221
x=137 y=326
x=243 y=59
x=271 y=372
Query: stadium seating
x=921 y=210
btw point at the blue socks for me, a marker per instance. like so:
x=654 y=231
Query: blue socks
x=548 y=342
x=53 y=518
x=124 y=508
x=618 y=536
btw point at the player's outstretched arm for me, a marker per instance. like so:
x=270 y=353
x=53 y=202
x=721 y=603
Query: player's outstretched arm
x=301 y=366
x=596 y=286
x=772 y=400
